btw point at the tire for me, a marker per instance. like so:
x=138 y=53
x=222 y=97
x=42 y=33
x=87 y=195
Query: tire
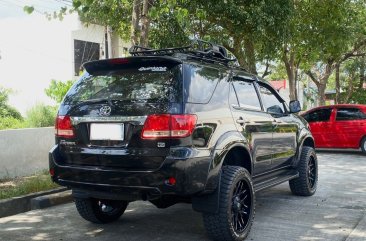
x=236 y=206
x=363 y=145
x=100 y=211
x=307 y=182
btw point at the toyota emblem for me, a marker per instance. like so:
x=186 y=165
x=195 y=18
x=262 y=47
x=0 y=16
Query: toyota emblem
x=105 y=110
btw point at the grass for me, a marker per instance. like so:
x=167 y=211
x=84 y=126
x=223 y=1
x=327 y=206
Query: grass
x=14 y=187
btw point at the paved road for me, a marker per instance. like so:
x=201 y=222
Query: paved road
x=336 y=212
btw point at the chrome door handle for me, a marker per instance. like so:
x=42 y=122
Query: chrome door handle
x=277 y=121
x=242 y=121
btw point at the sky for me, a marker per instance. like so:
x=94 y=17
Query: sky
x=33 y=50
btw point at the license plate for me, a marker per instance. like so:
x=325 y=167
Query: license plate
x=113 y=132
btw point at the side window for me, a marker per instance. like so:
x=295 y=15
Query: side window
x=320 y=115
x=247 y=95
x=344 y=114
x=200 y=83
x=271 y=104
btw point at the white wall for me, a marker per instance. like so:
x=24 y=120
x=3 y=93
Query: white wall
x=25 y=151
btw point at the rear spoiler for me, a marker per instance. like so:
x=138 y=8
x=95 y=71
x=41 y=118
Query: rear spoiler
x=131 y=62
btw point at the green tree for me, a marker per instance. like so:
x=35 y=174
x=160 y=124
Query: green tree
x=58 y=89
x=41 y=115
x=251 y=29
x=5 y=109
x=323 y=34
x=352 y=78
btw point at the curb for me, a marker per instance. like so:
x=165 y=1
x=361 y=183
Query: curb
x=22 y=204
x=51 y=200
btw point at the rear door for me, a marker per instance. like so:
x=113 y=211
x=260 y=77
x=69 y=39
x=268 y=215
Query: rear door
x=349 y=127
x=252 y=122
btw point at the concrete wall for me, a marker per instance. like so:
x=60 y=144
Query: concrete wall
x=25 y=151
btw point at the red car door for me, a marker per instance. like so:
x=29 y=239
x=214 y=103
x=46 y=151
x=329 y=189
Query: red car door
x=320 y=122
x=350 y=127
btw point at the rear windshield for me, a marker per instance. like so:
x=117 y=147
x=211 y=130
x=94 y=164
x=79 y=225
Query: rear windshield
x=139 y=84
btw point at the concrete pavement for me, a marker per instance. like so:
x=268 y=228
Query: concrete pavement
x=336 y=212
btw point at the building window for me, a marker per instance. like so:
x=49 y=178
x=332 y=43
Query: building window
x=83 y=52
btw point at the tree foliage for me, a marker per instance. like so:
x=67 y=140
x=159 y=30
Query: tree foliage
x=41 y=115
x=58 y=89
x=313 y=37
x=5 y=109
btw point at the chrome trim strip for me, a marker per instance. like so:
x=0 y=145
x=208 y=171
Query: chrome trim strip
x=85 y=119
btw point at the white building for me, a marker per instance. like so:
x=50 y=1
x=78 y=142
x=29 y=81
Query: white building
x=35 y=50
x=93 y=42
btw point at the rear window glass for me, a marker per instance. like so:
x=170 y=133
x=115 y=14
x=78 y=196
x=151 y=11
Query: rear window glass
x=350 y=114
x=200 y=83
x=318 y=115
x=138 y=85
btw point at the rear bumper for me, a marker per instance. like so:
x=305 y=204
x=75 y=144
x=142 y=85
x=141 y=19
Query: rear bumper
x=190 y=172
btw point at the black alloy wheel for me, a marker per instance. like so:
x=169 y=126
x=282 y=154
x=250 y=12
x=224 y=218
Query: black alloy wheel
x=307 y=182
x=241 y=206
x=312 y=171
x=236 y=210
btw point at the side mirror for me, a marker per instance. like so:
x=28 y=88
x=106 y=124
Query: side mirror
x=295 y=106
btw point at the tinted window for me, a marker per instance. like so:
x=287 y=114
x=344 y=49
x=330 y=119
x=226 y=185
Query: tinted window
x=350 y=114
x=270 y=102
x=247 y=95
x=138 y=85
x=200 y=83
x=318 y=115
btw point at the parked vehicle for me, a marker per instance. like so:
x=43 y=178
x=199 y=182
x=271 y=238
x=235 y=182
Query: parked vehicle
x=338 y=126
x=179 y=125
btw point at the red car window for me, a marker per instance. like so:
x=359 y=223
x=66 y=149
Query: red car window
x=345 y=114
x=320 y=115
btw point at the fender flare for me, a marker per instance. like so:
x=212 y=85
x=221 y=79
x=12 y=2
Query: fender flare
x=209 y=201
x=305 y=136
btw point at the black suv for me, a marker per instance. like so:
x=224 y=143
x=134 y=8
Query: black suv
x=179 y=125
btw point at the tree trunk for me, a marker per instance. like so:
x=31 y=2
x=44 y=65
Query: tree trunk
x=362 y=73
x=350 y=88
x=322 y=81
x=145 y=23
x=250 y=55
x=321 y=94
x=135 y=22
x=290 y=70
x=337 y=82
x=238 y=52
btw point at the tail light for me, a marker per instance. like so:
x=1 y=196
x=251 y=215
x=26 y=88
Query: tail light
x=168 y=126
x=63 y=127
x=52 y=172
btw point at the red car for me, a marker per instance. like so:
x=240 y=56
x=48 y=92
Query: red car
x=338 y=126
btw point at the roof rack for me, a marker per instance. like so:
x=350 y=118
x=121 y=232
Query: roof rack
x=198 y=48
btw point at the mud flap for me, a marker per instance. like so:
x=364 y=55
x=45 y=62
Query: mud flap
x=208 y=203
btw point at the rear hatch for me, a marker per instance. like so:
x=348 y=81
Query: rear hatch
x=101 y=119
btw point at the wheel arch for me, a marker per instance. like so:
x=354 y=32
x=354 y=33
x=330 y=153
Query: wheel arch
x=305 y=140
x=233 y=147
x=308 y=141
x=361 y=142
x=239 y=155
